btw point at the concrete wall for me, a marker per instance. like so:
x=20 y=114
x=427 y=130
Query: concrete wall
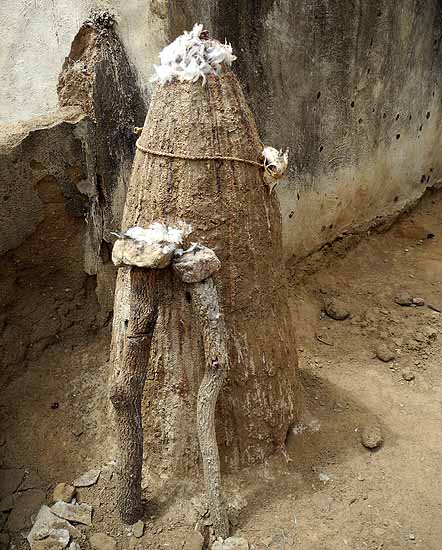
x=352 y=87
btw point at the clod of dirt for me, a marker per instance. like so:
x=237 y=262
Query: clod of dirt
x=63 y=492
x=371 y=436
x=336 y=309
x=407 y=375
x=101 y=541
x=194 y=541
x=384 y=353
x=404 y=299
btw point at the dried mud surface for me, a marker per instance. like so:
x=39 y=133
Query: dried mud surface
x=332 y=493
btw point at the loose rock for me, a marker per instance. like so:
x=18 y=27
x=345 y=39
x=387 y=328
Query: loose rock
x=232 y=543
x=407 y=375
x=57 y=539
x=101 y=541
x=45 y=522
x=336 y=309
x=80 y=513
x=384 y=353
x=63 y=492
x=404 y=299
x=138 y=529
x=418 y=301
x=87 y=479
x=194 y=541
x=196 y=264
x=371 y=436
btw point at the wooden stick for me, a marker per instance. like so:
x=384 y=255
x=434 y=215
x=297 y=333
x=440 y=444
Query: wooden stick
x=206 y=306
x=130 y=358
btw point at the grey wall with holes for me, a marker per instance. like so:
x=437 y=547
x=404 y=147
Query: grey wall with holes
x=353 y=87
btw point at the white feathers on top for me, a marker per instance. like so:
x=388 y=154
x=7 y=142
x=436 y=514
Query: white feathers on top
x=189 y=58
x=158 y=233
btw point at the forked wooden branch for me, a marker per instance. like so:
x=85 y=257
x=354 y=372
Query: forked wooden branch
x=206 y=306
x=127 y=389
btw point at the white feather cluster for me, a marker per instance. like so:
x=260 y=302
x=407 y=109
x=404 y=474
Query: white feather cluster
x=190 y=58
x=158 y=233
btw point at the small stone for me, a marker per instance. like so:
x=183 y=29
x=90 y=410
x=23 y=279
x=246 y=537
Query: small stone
x=80 y=513
x=336 y=309
x=74 y=545
x=7 y=503
x=196 y=264
x=404 y=299
x=371 y=436
x=101 y=541
x=232 y=543
x=63 y=492
x=379 y=532
x=407 y=375
x=194 y=541
x=418 y=301
x=138 y=529
x=87 y=479
x=411 y=537
x=10 y=479
x=57 y=539
x=384 y=353
x=26 y=504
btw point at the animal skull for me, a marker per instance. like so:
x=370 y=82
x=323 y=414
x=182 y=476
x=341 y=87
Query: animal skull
x=275 y=162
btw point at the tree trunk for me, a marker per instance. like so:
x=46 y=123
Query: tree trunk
x=232 y=212
x=135 y=318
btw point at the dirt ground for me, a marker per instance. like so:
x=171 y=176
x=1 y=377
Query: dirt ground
x=332 y=493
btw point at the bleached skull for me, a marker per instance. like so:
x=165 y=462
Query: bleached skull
x=275 y=162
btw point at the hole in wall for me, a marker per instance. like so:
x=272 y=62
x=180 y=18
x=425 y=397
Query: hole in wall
x=352 y=104
x=433 y=94
x=398 y=136
x=298 y=196
x=373 y=110
x=397 y=116
x=409 y=118
x=291 y=214
x=396 y=198
x=428 y=115
x=368 y=70
x=188 y=297
x=423 y=178
x=431 y=169
x=384 y=115
x=360 y=121
x=379 y=14
x=321 y=148
x=318 y=95
x=420 y=128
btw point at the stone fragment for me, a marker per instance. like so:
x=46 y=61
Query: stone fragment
x=74 y=545
x=87 y=479
x=79 y=513
x=57 y=539
x=101 y=541
x=371 y=436
x=63 y=492
x=336 y=309
x=196 y=264
x=26 y=504
x=232 y=543
x=384 y=353
x=7 y=503
x=10 y=479
x=45 y=522
x=417 y=301
x=403 y=299
x=408 y=375
x=194 y=541
x=138 y=529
